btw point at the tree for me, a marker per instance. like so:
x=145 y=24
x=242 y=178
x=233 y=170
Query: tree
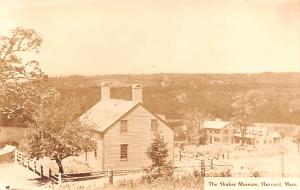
x=23 y=85
x=194 y=121
x=56 y=134
x=158 y=153
x=244 y=107
x=297 y=139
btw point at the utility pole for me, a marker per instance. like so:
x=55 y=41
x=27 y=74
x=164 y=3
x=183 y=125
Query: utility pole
x=282 y=164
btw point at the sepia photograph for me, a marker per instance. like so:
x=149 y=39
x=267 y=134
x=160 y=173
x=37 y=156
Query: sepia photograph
x=149 y=94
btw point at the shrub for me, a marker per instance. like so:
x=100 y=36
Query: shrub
x=160 y=167
x=256 y=174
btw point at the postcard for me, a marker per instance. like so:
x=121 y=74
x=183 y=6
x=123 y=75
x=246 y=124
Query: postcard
x=141 y=94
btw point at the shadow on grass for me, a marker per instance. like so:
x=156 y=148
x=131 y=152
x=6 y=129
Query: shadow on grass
x=41 y=181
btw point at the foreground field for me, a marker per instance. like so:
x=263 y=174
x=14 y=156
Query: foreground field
x=268 y=160
x=175 y=183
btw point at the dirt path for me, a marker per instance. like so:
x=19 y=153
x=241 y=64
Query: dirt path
x=18 y=177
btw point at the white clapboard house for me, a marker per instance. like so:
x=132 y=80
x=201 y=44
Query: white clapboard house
x=124 y=129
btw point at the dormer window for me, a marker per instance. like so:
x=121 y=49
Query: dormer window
x=123 y=126
x=154 y=126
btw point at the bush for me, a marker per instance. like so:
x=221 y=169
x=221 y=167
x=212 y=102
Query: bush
x=226 y=173
x=256 y=174
x=171 y=183
x=152 y=174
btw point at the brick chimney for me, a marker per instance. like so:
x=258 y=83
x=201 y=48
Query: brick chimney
x=137 y=93
x=105 y=91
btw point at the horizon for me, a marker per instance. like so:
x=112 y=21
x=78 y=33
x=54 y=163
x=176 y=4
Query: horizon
x=168 y=73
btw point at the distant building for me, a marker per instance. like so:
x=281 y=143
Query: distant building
x=124 y=130
x=224 y=132
x=219 y=131
x=259 y=133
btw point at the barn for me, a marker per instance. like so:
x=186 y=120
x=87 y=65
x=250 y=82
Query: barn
x=123 y=131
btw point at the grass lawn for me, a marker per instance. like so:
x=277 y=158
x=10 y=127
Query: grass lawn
x=175 y=183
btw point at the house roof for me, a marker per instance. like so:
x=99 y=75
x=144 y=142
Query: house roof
x=7 y=149
x=216 y=124
x=275 y=134
x=105 y=113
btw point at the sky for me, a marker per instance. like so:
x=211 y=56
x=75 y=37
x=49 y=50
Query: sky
x=91 y=37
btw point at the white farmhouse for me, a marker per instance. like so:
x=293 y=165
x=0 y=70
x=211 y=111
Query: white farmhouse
x=124 y=130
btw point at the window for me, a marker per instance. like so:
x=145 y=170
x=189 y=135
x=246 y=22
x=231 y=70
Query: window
x=123 y=151
x=234 y=130
x=154 y=126
x=226 y=131
x=217 y=131
x=226 y=139
x=216 y=139
x=123 y=126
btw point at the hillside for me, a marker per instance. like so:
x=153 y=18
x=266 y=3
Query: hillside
x=174 y=94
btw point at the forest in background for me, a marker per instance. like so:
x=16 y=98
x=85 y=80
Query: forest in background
x=174 y=94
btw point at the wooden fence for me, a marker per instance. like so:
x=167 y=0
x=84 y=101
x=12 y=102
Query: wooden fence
x=35 y=167
x=24 y=160
x=43 y=172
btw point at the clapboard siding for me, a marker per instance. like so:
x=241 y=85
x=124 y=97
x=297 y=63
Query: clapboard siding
x=222 y=135
x=138 y=138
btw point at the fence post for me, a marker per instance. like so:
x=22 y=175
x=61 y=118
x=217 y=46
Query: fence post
x=282 y=164
x=16 y=156
x=202 y=168
x=42 y=171
x=59 y=178
x=212 y=164
x=50 y=173
x=111 y=177
x=28 y=162
x=180 y=155
x=34 y=166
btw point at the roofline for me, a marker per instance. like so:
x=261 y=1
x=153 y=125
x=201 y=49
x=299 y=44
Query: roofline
x=138 y=104
x=218 y=128
x=155 y=115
